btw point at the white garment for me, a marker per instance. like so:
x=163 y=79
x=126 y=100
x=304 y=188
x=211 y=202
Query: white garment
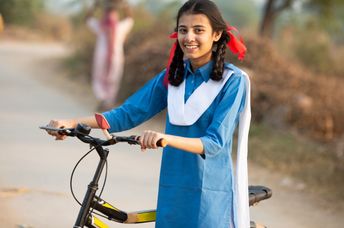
x=106 y=86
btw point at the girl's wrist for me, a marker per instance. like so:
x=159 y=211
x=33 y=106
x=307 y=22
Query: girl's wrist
x=73 y=123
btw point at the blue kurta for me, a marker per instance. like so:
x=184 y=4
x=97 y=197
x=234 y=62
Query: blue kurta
x=194 y=191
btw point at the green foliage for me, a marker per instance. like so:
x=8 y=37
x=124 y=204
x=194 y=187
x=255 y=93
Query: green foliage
x=313 y=36
x=79 y=63
x=239 y=13
x=313 y=49
x=328 y=14
x=139 y=12
x=153 y=7
x=20 y=12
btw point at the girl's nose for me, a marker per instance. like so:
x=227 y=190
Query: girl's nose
x=189 y=37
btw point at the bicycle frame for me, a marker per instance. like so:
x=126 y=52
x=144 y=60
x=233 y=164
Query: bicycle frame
x=92 y=202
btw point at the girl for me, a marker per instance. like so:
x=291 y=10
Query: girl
x=205 y=98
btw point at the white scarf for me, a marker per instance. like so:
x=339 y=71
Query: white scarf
x=186 y=114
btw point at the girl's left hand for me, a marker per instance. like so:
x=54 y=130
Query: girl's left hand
x=149 y=139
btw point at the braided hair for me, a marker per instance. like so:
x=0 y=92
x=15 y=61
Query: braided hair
x=210 y=10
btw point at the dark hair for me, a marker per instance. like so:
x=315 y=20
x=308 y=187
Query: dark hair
x=209 y=9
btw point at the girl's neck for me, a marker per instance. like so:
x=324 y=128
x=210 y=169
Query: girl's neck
x=198 y=63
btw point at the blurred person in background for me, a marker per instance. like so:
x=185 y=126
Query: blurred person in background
x=108 y=59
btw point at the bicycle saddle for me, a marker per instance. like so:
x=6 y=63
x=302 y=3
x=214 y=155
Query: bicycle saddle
x=258 y=193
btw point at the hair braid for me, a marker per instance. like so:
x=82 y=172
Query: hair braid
x=176 y=72
x=219 y=57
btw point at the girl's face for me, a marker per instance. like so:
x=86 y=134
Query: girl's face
x=196 y=38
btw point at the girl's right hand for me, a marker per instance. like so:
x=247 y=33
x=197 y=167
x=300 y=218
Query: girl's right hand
x=149 y=139
x=60 y=124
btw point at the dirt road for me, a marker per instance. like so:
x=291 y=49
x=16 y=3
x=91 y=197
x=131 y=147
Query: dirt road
x=35 y=169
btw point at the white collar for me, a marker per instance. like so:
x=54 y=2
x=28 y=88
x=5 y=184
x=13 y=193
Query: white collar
x=186 y=114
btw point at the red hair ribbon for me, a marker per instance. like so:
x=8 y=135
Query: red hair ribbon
x=173 y=35
x=236 y=45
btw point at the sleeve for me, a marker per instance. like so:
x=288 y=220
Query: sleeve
x=126 y=25
x=141 y=106
x=225 y=118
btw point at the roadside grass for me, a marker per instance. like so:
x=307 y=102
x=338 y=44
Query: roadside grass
x=298 y=157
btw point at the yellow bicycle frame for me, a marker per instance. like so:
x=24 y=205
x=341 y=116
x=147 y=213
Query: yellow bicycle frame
x=117 y=215
x=96 y=223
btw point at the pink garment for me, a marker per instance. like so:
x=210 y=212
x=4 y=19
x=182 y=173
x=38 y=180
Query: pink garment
x=106 y=81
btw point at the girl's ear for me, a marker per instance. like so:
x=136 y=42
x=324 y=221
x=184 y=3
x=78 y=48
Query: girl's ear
x=217 y=35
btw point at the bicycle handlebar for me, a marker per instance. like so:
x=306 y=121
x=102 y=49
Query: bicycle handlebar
x=82 y=133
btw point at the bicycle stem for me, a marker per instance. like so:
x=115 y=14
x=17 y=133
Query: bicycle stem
x=92 y=188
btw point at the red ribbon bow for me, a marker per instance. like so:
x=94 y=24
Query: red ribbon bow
x=236 y=45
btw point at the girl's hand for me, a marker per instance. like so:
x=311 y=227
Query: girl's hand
x=149 y=139
x=60 y=124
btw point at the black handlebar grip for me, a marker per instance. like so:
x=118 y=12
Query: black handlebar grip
x=61 y=131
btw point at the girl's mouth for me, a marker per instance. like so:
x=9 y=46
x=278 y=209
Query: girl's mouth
x=188 y=46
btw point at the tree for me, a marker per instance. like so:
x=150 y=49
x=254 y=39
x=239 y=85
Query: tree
x=329 y=13
x=272 y=9
x=324 y=9
x=20 y=12
x=239 y=13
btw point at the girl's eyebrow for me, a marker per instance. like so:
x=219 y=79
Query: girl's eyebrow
x=194 y=26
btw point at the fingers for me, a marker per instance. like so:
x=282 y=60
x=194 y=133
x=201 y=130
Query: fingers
x=56 y=124
x=60 y=137
x=149 y=139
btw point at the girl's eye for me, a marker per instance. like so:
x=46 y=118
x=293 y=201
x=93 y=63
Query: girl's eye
x=182 y=30
x=199 y=30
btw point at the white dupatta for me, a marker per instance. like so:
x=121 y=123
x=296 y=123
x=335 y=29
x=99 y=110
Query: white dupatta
x=186 y=114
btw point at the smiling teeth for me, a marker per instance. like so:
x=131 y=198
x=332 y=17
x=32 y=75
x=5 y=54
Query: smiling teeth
x=191 y=46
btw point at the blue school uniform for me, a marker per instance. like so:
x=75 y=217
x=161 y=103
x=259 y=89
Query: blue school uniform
x=195 y=191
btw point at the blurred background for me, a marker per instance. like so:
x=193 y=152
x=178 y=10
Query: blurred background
x=294 y=59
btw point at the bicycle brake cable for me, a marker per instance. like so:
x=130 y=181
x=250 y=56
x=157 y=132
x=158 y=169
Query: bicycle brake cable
x=76 y=165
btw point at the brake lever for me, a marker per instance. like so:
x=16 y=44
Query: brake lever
x=61 y=131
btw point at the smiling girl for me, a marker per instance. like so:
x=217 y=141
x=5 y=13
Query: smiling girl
x=206 y=98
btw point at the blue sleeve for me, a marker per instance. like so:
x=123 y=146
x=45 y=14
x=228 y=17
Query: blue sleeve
x=141 y=106
x=225 y=119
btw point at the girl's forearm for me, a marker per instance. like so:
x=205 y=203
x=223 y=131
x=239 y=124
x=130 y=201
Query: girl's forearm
x=89 y=120
x=193 y=145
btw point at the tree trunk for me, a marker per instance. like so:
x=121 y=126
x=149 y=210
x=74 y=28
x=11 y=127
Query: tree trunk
x=271 y=11
x=266 y=27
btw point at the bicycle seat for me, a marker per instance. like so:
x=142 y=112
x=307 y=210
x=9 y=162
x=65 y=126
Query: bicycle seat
x=258 y=193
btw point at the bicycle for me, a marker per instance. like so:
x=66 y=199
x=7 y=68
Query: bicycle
x=91 y=202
